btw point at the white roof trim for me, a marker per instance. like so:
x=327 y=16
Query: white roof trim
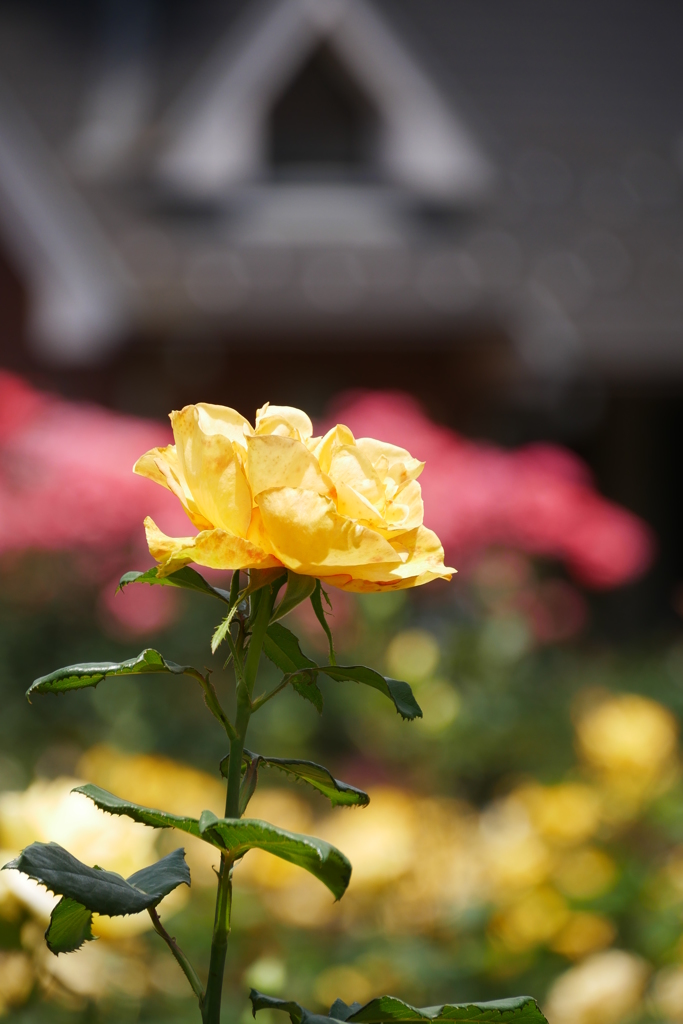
x=78 y=294
x=217 y=130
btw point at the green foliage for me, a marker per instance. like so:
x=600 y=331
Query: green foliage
x=385 y=1009
x=236 y=836
x=397 y=691
x=95 y=889
x=282 y=647
x=306 y=686
x=185 y=578
x=298 y=589
x=70 y=926
x=316 y=601
x=315 y=775
x=78 y=677
x=239 y=835
x=144 y=815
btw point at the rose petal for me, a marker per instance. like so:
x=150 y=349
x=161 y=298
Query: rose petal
x=220 y=419
x=406 y=510
x=352 y=504
x=350 y=466
x=274 y=461
x=310 y=537
x=161 y=466
x=327 y=445
x=283 y=420
x=401 y=466
x=422 y=561
x=216 y=549
x=211 y=469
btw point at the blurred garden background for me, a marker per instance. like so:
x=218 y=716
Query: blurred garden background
x=457 y=227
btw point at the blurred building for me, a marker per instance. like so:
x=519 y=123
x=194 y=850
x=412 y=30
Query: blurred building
x=246 y=200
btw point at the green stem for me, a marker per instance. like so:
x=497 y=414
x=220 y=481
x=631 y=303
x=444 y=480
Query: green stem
x=211 y=1007
x=211 y=1010
x=258 y=635
x=185 y=965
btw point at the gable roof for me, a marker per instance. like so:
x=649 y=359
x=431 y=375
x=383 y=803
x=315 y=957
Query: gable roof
x=217 y=129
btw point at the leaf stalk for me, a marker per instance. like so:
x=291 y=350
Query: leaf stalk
x=212 y=702
x=185 y=965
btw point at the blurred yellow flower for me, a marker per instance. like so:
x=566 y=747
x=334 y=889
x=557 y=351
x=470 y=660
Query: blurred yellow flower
x=347 y=511
x=603 y=989
x=534 y=919
x=585 y=873
x=582 y=934
x=514 y=854
x=628 y=733
x=567 y=813
x=380 y=841
x=631 y=742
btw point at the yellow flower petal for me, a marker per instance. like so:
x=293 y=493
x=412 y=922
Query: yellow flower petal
x=421 y=552
x=421 y=556
x=283 y=420
x=327 y=445
x=400 y=465
x=310 y=537
x=275 y=461
x=219 y=419
x=406 y=510
x=350 y=466
x=352 y=504
x=211 y=469
x=216 y=549
x=161 y=466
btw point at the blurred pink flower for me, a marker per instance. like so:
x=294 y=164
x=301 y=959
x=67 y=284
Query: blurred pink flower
x=539 y=498
x=66 y=477
x=136 y=611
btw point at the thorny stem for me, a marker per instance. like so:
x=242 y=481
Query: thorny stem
x=262 y=605
x=185 y=965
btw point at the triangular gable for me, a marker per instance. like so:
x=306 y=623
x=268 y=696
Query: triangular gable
x=217 y=131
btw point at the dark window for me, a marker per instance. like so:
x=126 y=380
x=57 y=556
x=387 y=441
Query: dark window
x=322 y=122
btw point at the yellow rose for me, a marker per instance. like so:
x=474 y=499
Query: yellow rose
x=344 y=510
